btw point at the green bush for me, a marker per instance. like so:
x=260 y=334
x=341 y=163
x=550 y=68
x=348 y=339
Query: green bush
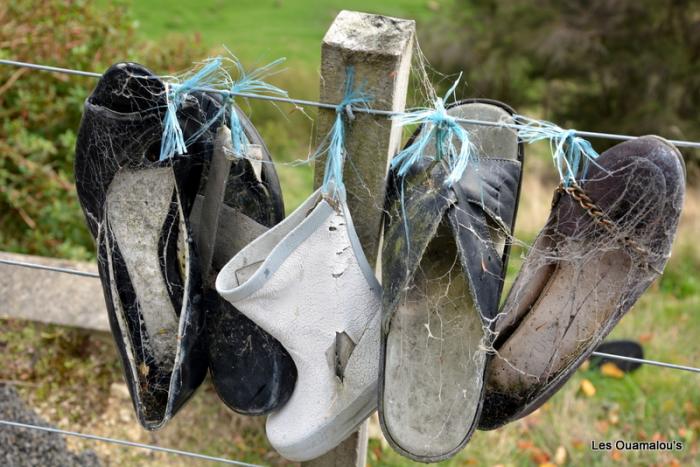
x=680 y=277
x=624 y=66
x=40 y=113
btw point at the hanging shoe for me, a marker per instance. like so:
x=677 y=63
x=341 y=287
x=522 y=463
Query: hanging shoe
x=623 y=348
x=443 y=263
x=605 y=242
x=137 y=209
x=308 y=283
x=251 y=371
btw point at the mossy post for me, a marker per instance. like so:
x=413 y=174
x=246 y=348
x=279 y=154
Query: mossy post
x=379 y=48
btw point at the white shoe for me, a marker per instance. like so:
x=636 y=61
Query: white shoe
x=307 y=283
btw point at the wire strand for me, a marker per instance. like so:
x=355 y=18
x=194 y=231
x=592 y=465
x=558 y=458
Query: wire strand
x=647 y=362
x=94 y=275
x=122 y=442
x=44 y=267
x=53 y=69
x=325 y=105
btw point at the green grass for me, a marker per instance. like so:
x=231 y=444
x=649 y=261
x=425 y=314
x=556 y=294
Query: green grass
x=49 y=364
x=69 y=375
x=259 y=31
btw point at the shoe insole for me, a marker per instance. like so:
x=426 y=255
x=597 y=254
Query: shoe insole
x=580 y=297
x=434 y=361
x=436 y=346
x=138 y=203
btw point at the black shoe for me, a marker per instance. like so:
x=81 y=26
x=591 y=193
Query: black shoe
x=137 y=209
x=251 y=371
x=623 y=348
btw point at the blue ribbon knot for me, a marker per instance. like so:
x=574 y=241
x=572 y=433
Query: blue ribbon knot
x=444 y=128
x=571 y=154
x=334 y=144
x=172 y=141
x=214 y=77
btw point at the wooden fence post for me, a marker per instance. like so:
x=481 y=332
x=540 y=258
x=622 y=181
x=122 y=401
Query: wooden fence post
x=380 y=49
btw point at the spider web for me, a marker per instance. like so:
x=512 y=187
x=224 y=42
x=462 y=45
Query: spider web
x=588 y=274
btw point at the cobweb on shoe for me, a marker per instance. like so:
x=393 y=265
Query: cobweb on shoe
x=606 y=241
x=607 y=238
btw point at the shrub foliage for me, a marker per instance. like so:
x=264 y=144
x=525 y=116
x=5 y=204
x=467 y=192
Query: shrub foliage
x=40 y=112
x=625 y=66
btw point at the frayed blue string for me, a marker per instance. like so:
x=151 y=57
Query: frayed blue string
x=571 y=154
x=334 y=144
x=335 y=157
x=172 y=141
x=251 y=84
x=445 y=129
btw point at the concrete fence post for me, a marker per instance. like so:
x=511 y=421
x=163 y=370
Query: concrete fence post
x=380 y=49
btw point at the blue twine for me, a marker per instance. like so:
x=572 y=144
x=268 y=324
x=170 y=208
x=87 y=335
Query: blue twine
x=172 y=141
x=249 y=83
x=334 y=144
x=444 y=128
x=571 y=154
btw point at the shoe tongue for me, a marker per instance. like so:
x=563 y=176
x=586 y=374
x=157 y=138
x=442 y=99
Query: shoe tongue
x=129 y=87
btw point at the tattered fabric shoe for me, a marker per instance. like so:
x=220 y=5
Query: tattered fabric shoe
x=606 y=240
x=307 y=282
x=137 y=209
x=251 y=371
x=443 y=261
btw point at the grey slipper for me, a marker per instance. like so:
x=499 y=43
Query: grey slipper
x=443 y=263
x=605 y=242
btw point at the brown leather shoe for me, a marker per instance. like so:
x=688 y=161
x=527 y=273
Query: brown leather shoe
x=605 y=242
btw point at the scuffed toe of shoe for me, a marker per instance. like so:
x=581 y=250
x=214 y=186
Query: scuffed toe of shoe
x=128 y=87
